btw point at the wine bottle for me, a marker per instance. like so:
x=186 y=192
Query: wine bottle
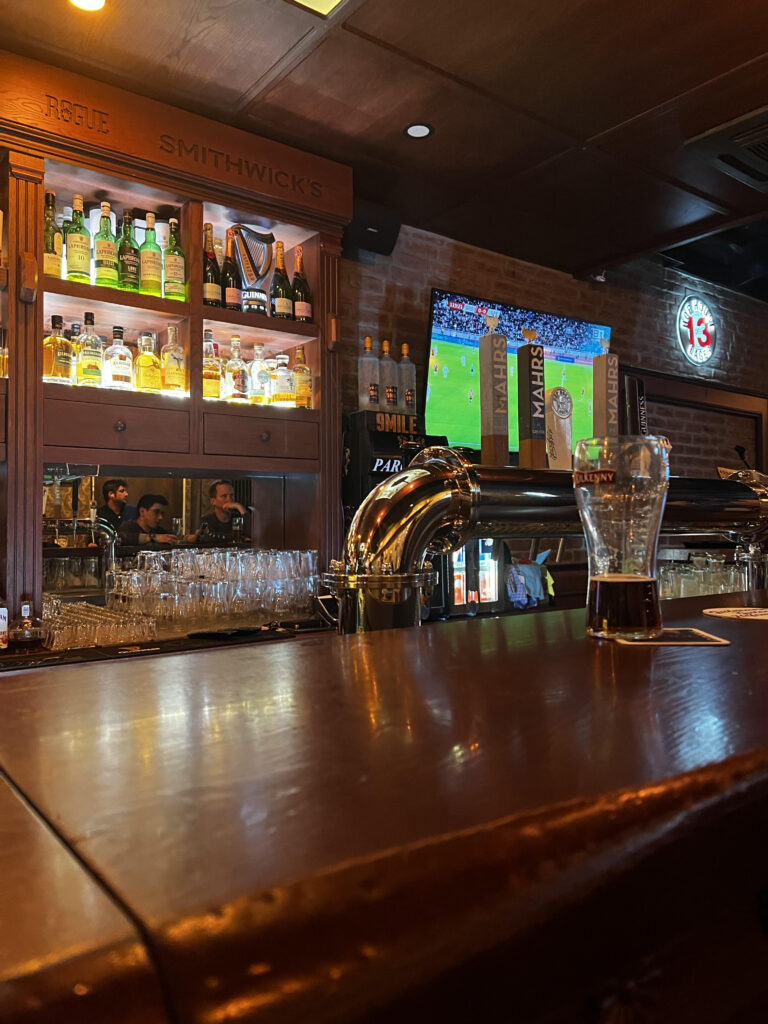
x=127 y=257
x=280 y=291
x=302 y=295
x=231 y=281
x=211 y=272
x=150 y=262
x=174 y=265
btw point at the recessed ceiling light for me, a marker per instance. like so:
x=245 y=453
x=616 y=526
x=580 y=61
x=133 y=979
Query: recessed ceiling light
x=419 y=131
x=322 y=7
x=88 y=5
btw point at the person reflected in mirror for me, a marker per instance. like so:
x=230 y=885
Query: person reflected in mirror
x=115 y=498
x=147 y=531
x=217 y=526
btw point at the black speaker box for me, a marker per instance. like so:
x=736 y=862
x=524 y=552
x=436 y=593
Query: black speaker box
x=372 y=229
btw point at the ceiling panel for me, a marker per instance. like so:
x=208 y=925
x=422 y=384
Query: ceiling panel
x=354 y=99
x=583 y=66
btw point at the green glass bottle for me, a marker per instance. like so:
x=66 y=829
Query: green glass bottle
x=127 y=257
x=105 y=251
x=174 y=265
x=280 y=291
x=78 y=246
x=150 y=262
x=51 y=238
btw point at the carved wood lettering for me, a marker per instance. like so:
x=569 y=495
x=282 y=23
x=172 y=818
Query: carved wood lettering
x=61 y=109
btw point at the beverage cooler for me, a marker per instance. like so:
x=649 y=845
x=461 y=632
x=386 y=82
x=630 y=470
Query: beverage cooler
x=474 y=579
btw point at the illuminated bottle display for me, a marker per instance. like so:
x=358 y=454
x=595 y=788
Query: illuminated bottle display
x=406 y=372
x=174 y=265
x=146 y=369
x=127 y=257
x=388 y=380
x=211 y=272
x=211 y=368
x=283 y=384
x=52 y=240
x=173 y=363
x=280 y=291
x=58 y=355
x=302 y=296
x=150 y=262
x=367 y=378
x=259 y=376
x=302 y=376
x=236 y=381
x=90 y=356
x=231 y=282
x=117 y=373
x=105 y=251
x=78 y=246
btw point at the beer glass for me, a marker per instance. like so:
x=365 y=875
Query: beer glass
x=621 y=486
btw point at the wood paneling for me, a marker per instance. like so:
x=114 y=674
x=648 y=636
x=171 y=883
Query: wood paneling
x=74 y=424
x=260 y=436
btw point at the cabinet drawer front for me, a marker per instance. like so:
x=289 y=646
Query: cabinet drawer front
x=86 y=425
x=260 y=436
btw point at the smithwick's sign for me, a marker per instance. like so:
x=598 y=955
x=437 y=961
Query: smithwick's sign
x=50 y=102
x=696 y=330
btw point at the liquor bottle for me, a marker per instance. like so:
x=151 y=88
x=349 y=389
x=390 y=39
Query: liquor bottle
x=280 y=291
x=58 y=360
x=173 y=364
x=302 y=294
x=66 y=224
x=211 y=368
x=51 y=238
x=105 y=251
x=117 y=372
x=302 y=376
x=406 y=373
x=367 y=378
x=127 y=257
x=388 y=382
x=259 y=376
x=231 y=281
x=174 y=265
x=271 y=365
x=211 y=272
x=284 y=384
x=78 y=246
x=146 y=369
x=25 y=632
x=90 y=356
x=236 y=376
x=3 y=354
x=150 y=262
x=3 y=625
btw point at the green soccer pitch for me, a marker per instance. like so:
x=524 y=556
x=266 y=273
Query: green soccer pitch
x=449 y=410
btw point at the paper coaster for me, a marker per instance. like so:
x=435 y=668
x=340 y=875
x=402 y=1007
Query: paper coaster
x=738 y=613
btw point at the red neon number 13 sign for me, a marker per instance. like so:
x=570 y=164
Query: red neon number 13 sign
x=696 y=330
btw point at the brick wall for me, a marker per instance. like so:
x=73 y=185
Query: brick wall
x=388 y=297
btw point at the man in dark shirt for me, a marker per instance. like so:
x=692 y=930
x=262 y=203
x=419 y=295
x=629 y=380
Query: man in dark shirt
x=216 y=527
x=147 y=531
x=115 y=497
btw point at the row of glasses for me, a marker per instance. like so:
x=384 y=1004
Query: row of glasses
x=75 y=624
x=70 y=573
x=701 y=576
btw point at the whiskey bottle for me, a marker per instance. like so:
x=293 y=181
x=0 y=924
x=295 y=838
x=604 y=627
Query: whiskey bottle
x=118 y=364
x=302 y=376
x=3 y=354
x=150 y=262
x=406 y=374
x=105 y=251
x=128 y=257
x=173 y=364
x=78 y=246
x=236 y=377
x=259 y=376
x=174 y=265
x=146 y=369
x=51 y=238
x=388 y=380
x=231 y=281
x=302 y=296
x=90 y=356
x=58 y=361
x=211 y=368
x=284 y=384
x=368 y=378
x=211 y=272
x=280 y=291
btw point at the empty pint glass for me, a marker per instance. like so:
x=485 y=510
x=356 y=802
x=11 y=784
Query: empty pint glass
x=621 y=487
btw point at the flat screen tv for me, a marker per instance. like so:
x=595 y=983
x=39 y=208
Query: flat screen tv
x=452 y=382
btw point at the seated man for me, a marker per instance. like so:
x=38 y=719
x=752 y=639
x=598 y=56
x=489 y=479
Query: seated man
x=115 y=497
x=147 y=530
x=216 y=527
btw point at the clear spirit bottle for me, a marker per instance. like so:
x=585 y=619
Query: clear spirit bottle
x=58 y=357
x=78 y=246
x=118 y=364
x=51 y=238
x=259 y=376
x=368 y=378
x=150 y=262
x=127 y=257
x=237 y=378
x=388 y=380
x=284 y=385
x=302 y=376
x=211 y=368
x=271 y=365
x=302 y=296
x=105 y=251
x=90 y=356
x=174 y=265
x=280 y=291
x=406 y=376
x=146 y=370
x=173 y=364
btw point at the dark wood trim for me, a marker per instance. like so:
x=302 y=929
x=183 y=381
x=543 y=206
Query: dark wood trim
x=330 y=399
x=112 y=459
x=112 y=296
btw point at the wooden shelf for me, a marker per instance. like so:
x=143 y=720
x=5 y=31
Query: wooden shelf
x=265 y=327
x=108 y=396
x=77 y=297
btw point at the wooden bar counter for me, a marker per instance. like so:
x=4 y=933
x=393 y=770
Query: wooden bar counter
x=478 y=820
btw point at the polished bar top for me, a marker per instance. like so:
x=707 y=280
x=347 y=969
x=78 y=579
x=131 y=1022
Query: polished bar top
x=240 y=799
